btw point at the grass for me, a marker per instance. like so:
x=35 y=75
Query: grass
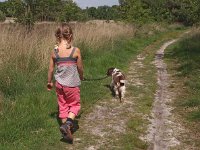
x=193 y=102
x=183 y=61
x=28 y=112
x=132 y=141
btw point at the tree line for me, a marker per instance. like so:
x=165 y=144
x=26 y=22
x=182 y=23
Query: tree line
x=139 y=11
x=183 y=11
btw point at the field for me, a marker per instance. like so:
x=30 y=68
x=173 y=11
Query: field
x=27 y=111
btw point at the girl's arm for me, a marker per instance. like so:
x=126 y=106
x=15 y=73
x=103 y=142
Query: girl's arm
x=80 y=64
x=50 y=72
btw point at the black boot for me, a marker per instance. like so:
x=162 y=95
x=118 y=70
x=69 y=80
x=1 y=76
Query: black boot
x=65 y=129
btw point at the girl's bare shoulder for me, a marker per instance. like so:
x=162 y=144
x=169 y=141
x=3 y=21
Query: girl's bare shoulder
x=78 y=51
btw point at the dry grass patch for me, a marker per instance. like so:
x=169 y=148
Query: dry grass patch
x=30 y=51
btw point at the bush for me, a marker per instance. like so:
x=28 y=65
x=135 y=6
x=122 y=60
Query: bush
x=2 y=16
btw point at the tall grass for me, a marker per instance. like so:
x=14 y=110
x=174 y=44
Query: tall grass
x=19 y=46
x=95 y=35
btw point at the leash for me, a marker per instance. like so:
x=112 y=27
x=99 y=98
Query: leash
x=95 y=79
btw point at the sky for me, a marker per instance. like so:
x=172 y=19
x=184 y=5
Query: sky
x=96 y=3
x=93 y=3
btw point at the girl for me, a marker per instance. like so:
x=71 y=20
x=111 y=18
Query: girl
x=68 y=76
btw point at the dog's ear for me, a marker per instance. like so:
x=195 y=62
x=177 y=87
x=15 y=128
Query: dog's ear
x=109 y=72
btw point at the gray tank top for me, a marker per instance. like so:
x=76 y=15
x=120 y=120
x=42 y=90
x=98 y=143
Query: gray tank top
x=66 y=70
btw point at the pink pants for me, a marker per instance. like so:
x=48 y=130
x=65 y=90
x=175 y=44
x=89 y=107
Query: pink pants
x=68 y=100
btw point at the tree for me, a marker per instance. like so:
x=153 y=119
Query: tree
x=103 y=12
x=23 y=11
x=29 y=11
x=2 y=16
x=183 y=11
x=48 y=10
x=70 y=11
x=92 y=12
x=4 y=7
x=135 y=11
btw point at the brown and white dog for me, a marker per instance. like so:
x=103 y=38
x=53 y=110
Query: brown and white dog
x=118 y=82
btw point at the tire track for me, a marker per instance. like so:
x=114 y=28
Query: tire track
x=162 y=127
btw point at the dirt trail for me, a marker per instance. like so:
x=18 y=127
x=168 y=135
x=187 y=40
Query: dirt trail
x=103 y=127
x=163 y=129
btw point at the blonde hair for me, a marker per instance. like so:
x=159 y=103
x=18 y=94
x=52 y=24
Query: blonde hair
x=64 y=32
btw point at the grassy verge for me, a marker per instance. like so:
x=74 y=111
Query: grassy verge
x=143 y=95
x=28 y=111
x=183 y=61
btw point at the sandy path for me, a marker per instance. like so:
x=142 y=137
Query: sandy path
x=107 y=122
x=163 y=128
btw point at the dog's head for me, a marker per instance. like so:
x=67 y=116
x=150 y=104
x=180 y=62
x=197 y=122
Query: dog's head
x=112 y=71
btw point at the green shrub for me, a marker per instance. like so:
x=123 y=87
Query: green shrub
x=2 y=16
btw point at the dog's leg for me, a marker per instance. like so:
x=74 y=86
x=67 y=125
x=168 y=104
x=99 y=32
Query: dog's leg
x=116 y=91
x=111 y=85
x=120 y=95
x=122 y=92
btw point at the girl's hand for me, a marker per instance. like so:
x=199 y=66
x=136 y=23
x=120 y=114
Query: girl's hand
x=49 y=86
